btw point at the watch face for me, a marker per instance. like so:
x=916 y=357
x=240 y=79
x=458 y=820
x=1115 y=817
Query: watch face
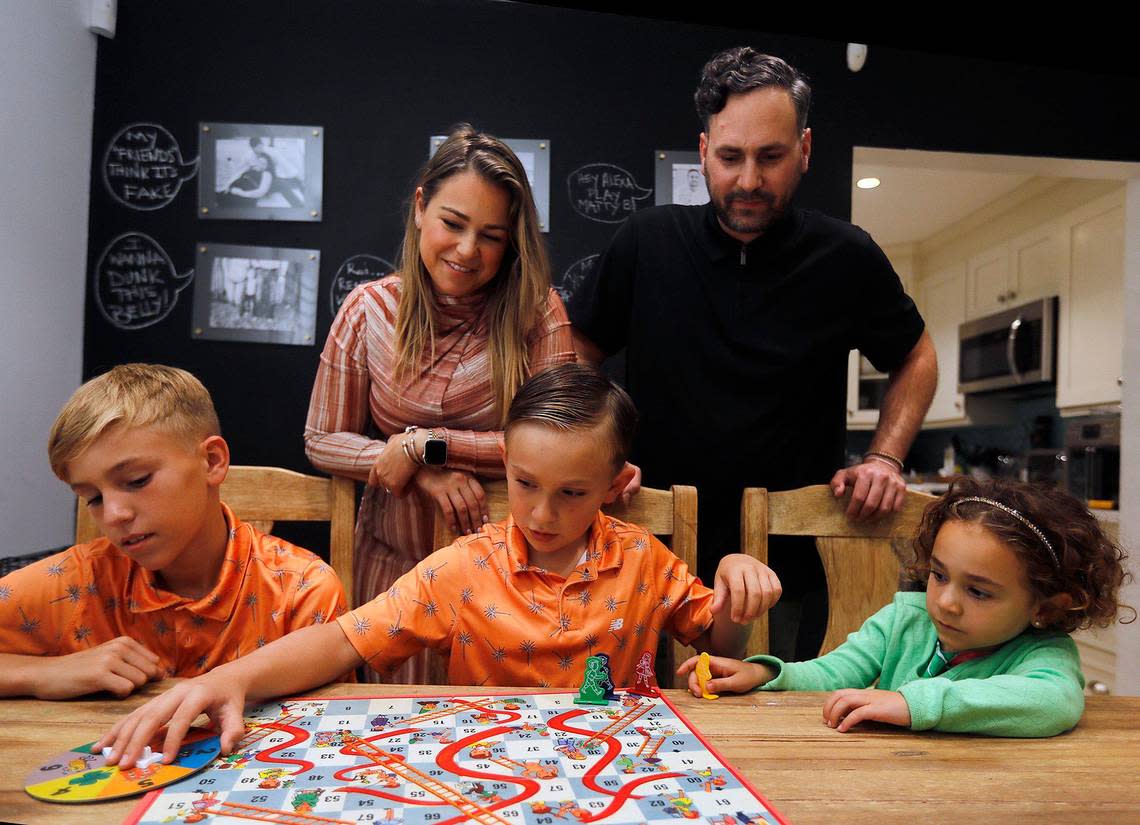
x=435 y=452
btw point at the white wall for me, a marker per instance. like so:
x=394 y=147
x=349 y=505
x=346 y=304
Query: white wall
x=1128 y=636
x=47 y=91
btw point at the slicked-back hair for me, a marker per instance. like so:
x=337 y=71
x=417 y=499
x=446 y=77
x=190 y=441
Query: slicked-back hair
x=743 y=69
x=573 y=397
x=131 y=395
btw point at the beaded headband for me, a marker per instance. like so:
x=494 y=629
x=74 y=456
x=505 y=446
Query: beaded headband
x=1033 y=527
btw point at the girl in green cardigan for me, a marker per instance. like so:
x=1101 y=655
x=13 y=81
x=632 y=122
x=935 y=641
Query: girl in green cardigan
x=1011 y=569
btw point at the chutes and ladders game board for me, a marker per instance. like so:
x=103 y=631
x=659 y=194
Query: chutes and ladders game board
x=525 y=759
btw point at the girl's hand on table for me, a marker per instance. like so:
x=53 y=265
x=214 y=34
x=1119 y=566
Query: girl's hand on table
x=459 y=497
x=729 y=675
x=848 y=707
x=393 y=469
x=222 y=699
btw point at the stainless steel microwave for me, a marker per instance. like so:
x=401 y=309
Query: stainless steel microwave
x=1012 y=349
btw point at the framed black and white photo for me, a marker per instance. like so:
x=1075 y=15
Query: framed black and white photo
x=678 y=178
x=257 y=171
x=256 y=293
x=535 y=158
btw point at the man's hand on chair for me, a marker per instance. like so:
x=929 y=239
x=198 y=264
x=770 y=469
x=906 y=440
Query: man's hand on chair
x=877 y=489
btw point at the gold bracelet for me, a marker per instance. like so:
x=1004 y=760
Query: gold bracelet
x=410 y=451
x=894 y=459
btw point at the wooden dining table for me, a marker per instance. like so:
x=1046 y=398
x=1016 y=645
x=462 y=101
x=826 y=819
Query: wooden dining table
x=875 y=774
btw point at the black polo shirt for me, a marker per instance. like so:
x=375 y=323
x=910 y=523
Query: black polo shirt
x=737 y=354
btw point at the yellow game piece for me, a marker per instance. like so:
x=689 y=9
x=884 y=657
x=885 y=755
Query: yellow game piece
x=704 y=673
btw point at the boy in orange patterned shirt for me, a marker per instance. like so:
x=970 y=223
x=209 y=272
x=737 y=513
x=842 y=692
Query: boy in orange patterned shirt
x=521 y=603
x=177 y=584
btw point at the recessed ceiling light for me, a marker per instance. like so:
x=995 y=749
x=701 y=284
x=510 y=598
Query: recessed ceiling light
x=867 y=183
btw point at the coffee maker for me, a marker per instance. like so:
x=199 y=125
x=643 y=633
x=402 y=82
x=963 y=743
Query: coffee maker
x=1092 y=450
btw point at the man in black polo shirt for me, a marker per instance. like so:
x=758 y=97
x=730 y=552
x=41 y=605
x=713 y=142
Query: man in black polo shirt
x=738 y=317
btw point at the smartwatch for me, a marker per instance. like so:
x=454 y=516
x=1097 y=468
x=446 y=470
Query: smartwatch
x=435 y=450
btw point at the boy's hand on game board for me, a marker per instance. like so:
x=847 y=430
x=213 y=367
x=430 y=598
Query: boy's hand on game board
x=848 y=707
x=221 y=698
x=118 y=666
x=746 y=586
x=729 y=675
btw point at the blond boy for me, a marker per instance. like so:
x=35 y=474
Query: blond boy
x=177 y=584
x=521 y=603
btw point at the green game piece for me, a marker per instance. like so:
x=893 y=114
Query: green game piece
x=592 y=691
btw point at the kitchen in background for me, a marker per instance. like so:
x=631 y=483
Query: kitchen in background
x=982 y=243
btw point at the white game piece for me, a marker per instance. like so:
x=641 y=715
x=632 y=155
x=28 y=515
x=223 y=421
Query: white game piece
x=147 y=759
x=107 y=753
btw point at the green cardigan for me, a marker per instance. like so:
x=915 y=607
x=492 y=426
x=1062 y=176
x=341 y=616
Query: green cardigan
x=1030 y=686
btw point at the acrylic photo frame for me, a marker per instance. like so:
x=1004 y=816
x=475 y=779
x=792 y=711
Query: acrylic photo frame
x=678 y=179
x=535 y=157
x=260 y=172
x=256 y=294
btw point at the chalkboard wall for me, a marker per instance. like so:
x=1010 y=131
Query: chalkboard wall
x=381 y=77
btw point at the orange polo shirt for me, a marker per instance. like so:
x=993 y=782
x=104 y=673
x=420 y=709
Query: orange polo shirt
x=504 y=622
x=91 y=593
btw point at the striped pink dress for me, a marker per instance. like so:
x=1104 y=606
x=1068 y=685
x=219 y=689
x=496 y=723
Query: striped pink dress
x=356 y=406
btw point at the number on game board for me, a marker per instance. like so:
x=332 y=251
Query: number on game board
x=328 y=755
x=206 y=781
x=260 y=798
x=431 y=817
x=313 y=777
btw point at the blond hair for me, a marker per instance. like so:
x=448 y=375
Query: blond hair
x=516 y=294
x=131 y=395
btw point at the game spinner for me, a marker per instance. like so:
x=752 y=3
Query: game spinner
x=520 y=759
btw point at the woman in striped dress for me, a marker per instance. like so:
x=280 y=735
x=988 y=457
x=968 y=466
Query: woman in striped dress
x=420 y=367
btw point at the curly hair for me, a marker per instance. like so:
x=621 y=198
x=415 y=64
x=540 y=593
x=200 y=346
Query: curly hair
x=1089 y=566
x=742 y=70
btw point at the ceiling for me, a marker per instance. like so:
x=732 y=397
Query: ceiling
x=914 y=202
x=1087 y=42
x=922 y=192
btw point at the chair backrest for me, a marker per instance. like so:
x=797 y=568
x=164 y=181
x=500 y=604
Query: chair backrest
x=263 y=495
x=671 y=515
x=861 y=560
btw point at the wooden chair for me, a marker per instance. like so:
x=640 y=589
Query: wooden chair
x=861 y=560
x=671 y=515
x=263 y=495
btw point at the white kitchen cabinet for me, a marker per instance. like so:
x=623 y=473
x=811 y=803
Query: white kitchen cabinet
x=942 y=299
x=987 y=282
x=864 y=388
x=1038 y=263
x=1090 y=340
x=1030 y=266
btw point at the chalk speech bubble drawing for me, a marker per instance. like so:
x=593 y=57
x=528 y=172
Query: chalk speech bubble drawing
x=135 y=282
x=143 y=167
x=357 y=270
x=605 y=193
x=574 y=275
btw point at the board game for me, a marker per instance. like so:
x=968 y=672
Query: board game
x=525 y=759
